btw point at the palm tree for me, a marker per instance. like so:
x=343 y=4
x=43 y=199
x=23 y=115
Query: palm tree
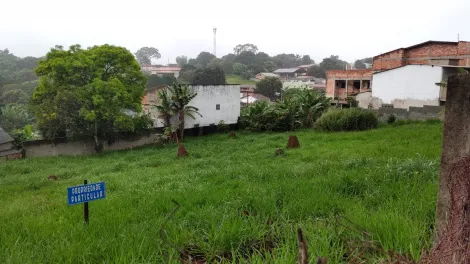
x=181 y=95
x=165 y=108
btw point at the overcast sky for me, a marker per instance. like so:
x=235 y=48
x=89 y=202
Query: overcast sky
x=352 y=29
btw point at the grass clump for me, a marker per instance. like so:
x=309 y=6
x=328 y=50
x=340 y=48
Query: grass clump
x=350 y=119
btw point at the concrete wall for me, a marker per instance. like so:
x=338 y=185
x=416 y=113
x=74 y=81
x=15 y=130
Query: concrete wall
x=412 y=85
x=208 y=97
x=366 y=100
x=414 y=113
x=43 y=148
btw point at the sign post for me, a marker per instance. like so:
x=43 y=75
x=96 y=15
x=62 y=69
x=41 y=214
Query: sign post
x=85 y=207
x=84 y=194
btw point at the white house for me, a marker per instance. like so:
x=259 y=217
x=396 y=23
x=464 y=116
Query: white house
x=215 y=102
x=410 y=85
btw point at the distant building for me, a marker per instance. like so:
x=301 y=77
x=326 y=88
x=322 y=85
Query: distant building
x=403 y=77
x=262 y=75
x=215 y=102
x=253 y=98
x=289 y=73
x=161 y=70
x=309 y=82
x=247 y=89
x=7 y=151
x=306 y=67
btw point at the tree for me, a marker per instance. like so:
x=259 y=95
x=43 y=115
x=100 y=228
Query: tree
x=316 y=71
x=239 y=68
x=14 y=97
x=246 y=57
x=94 y=93
x=270 y=87
x=287 y=60
x=245 y=47
x=165 y=107
x=358 y=64
x=332 y=63
x=215 y=62
x=14 y=116
x=368 y=60
x=227 y=63
x=155 y=80
x=204 y=58
x=270 y=66
x=306 y=60
x=181 y=95
x=181 y=60
x=145 y=55
x=209 y=76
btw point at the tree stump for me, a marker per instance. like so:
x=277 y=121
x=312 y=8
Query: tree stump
x=293 y=142
x=232 y=134
x=52 y=178
x=182 y=152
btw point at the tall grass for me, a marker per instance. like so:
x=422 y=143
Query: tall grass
x=237 y=199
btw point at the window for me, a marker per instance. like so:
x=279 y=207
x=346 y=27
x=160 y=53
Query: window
x=357 y=84
x=340 y=84
x=217 y=107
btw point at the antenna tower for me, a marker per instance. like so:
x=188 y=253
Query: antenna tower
x=215 y=43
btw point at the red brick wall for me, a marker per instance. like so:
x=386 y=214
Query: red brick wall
x=389 y=60
x=432 y=50
x=464 y=50
x=344 y=74
x=421 y=54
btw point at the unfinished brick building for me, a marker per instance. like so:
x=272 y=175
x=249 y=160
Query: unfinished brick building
x=403 y=77
x=427 y=53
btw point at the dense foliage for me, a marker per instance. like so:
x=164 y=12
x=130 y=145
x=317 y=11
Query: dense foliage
x=299 y=108
x=270 y=87
x=94 y=93
x=17 y=83
x=349 y=119
x=209 y=76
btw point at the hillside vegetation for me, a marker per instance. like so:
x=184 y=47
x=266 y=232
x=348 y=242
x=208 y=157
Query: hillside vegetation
x=234 y=79
x=239 y=202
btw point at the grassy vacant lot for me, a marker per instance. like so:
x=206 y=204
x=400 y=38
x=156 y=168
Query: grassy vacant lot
x=238 y=202
x=234 y=79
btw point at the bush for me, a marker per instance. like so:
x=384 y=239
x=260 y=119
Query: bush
x=222 y=127
x=391 y=119
x=351 y=119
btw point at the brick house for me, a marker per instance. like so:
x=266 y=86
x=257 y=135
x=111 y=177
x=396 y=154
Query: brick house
x=403 y=77
x=341 y=84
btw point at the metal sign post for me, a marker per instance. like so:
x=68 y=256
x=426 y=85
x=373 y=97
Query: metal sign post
x=84 y=194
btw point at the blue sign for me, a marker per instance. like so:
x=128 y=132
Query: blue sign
x=86 y=193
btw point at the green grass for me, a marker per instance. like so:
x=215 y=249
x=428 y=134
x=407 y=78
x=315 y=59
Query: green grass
x=235 y=79
x=235 y=198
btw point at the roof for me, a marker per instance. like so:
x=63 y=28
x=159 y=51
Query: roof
x=306 y=65
x=290 y=70
x=166 y=69
x=421 y=44
x=269 y=74
x=4 y=137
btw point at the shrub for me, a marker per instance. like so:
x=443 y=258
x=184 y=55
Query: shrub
x=391 y=119
x=351 y=119
x=222 y=127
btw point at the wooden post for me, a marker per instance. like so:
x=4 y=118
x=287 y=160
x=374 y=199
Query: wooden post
x=85 y=208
